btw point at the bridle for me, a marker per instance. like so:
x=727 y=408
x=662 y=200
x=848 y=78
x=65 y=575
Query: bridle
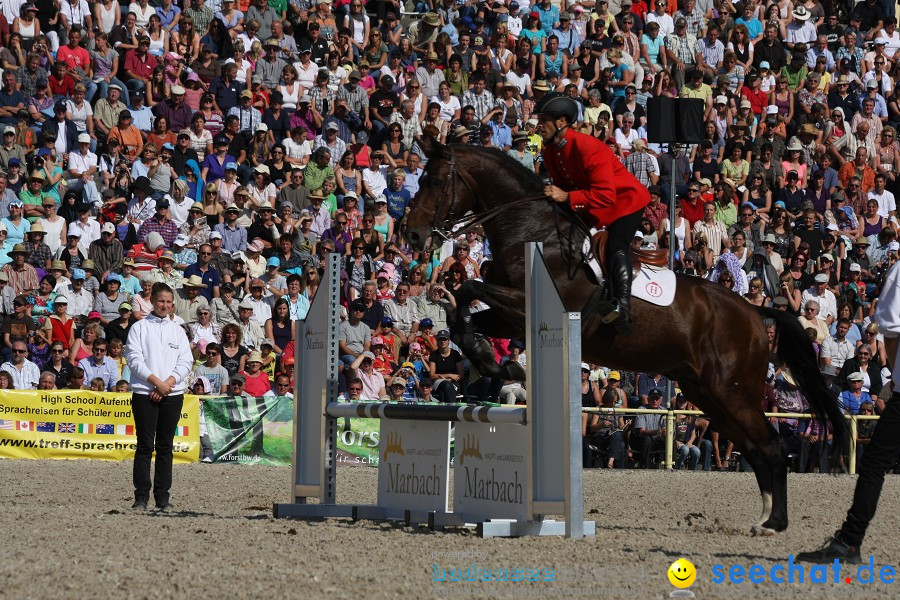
x=443 y=226
x=452 y=223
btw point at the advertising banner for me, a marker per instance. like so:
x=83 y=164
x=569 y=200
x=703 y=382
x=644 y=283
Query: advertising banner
x=415 y=465
x=259 y=430
x=250 y=430
x=491 y=472
x=82 y=424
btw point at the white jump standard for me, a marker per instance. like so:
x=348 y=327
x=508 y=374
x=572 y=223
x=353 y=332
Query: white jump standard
x=513 y=465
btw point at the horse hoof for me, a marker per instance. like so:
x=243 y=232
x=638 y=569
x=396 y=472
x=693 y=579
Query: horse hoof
x=760 y=531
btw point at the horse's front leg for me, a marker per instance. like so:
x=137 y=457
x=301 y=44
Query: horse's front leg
x=505 y=318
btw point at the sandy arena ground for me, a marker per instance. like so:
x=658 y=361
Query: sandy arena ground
x=68 y=532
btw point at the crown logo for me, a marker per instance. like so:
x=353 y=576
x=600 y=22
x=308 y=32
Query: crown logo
x=394 y=444
x=543 y=327
x=470 y=447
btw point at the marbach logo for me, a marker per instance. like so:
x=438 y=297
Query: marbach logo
x=543 y=327
x=654 y=290
x=394 y=444
x=470 y=447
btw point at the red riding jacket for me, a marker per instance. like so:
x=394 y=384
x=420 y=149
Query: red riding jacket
x=597 y=181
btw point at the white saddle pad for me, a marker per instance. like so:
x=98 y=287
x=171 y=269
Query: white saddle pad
x=656 y=286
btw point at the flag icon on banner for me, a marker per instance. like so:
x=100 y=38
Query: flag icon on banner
x=181 y=431
x=66 y=428
x=85 y=428
x=46 y=427
x=105 y=429
x=24 y=425
x=125 y=429
x=7 y=425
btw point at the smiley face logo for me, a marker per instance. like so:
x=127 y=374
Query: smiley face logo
x=682 y=573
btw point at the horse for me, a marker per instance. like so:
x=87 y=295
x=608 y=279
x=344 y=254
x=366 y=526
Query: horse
x=712 y=341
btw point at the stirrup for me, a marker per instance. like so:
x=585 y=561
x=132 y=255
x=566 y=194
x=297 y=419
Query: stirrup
x=610 y=312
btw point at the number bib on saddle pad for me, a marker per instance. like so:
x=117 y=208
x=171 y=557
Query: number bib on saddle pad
x=656 y=286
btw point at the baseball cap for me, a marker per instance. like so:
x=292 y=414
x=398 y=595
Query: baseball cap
x=108 y=228
x=443 y=333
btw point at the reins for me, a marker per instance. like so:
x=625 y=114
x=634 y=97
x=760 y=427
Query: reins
x=572 y=251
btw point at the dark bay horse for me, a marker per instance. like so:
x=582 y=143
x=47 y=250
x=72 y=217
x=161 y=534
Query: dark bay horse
x=710 y=339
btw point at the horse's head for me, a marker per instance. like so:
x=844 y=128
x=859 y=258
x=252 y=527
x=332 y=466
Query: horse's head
x=446 y=193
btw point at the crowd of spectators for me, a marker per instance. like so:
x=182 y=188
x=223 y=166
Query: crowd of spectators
x=225 y=147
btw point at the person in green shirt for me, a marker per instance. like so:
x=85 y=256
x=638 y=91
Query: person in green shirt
x=318 y=169
x=32 y=196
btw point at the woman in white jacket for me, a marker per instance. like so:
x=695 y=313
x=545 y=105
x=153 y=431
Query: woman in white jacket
x=159 y=356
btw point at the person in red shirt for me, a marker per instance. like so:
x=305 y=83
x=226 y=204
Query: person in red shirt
x=76 y=58
x=588 y=177
x=759 y=100
x=139 y=65
x=383 y=360
x=257 y=379
x=692 y=205
x=61 y=83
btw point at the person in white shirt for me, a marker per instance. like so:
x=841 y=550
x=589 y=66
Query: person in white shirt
x=262 y=310
x=159 y=357
x=666 y=23
x=837 y=349
x=825 y=297
x=81 y=301
x=87 y=227
x=891 y=36
x=375 y=176
x=82 y=169
x=887 y=204
x=251 y=330
x=25 y=374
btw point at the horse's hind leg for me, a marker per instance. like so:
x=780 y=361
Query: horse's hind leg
x=764 y=450
x=768 y=461
x=741 y=420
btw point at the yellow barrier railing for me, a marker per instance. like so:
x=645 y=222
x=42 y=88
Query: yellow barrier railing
x=670 y=426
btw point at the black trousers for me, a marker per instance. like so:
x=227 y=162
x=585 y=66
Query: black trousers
x=881 y=455
x=155 y=426
x=621 y=232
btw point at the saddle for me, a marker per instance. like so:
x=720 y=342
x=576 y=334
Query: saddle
x=653 y=258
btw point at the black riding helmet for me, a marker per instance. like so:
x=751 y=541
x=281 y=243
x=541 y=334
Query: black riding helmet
x=557 y=105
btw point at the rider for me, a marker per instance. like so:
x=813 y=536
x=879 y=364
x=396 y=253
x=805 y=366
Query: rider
x=593 y=181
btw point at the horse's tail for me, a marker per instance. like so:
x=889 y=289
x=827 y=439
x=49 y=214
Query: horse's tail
x=795 y=351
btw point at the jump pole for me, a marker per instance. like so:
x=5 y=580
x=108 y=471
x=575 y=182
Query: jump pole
x=512 y=465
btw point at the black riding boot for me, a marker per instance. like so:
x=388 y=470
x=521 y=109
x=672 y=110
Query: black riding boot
x=620 y=275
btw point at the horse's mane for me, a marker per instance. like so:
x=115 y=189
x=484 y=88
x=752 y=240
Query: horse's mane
x=529 y=180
